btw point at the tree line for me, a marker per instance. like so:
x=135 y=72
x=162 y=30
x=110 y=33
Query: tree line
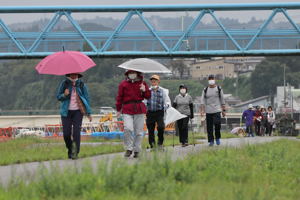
x=22 y=88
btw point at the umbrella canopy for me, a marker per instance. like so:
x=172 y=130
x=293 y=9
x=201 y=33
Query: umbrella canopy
x=65 y=62
x=144 y=65
x=173 y=115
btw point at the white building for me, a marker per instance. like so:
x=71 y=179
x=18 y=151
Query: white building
x=222 y=67
x=287 y=100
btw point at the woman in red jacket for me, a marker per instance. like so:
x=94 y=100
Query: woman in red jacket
x=131 y=93
x=257 y=121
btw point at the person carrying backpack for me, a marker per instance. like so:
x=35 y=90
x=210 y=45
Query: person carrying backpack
x=74 y=98
x=213 y=104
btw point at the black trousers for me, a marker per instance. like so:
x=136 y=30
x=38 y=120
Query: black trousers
x=153 y=118
x=269 y=128
x=183 y=130
x=249 y=130
x=257 y=127
x=72 y=124
x=213 y=120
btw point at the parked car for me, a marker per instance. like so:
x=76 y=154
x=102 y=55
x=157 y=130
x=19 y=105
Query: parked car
x=107 y=110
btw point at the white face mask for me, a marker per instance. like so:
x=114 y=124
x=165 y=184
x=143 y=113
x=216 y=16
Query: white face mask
x=182 y=91
x=211 y=82
x=132 y=76
x=154 y=87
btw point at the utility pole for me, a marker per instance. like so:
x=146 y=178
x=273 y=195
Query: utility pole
x=188 y=48
x=284 y=91
x=237 y=85
x=182 y=23
x=292 y=99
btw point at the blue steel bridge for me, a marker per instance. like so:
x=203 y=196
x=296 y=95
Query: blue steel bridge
x=191 y=41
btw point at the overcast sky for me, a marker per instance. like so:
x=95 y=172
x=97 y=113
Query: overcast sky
x=11 y=18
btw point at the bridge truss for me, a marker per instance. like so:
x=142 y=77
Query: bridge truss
x=193 y=40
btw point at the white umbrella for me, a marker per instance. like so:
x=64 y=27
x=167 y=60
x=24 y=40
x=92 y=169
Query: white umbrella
x=144 y=65
x=173 y=115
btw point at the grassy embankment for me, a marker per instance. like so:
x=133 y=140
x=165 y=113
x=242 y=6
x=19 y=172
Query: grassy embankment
x=29 y=149
x=268 y=171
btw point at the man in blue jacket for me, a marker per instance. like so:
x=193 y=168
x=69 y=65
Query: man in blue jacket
x=75 y=104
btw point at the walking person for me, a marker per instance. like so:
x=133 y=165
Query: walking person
x=248 y=115
x=74 y=98
x=213 y=104
x=183 y=102
x=264 y=113
x=270 y=120
x=156 y=107
x=131 y=93
x=257 y=121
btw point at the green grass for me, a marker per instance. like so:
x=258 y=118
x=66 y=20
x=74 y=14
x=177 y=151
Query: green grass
x=258 y=172
x=30 y=149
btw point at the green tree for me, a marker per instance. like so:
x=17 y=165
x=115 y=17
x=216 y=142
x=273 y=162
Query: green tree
x=179 y=66
x=194 y=88
x=244 y=87
x=269 y=74
x=266 y=77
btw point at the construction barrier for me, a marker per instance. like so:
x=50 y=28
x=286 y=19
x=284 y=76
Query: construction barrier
x=6 y=132
x=170 y=128
x=53 y=130
x=109 y=135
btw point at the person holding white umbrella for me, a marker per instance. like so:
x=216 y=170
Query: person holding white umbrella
x=131 y=93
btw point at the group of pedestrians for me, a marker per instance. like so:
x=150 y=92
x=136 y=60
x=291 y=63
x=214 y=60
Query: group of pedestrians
x=135 y=100
x=261 y=119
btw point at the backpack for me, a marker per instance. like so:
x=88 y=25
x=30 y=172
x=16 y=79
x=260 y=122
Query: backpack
x=219 y=91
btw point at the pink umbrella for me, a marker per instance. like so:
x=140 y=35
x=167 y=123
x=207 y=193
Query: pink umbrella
x=65 y=62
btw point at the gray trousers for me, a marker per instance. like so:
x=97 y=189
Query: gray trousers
x=133 y=132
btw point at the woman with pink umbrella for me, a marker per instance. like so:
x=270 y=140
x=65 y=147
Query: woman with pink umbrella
x=72 y=93
x=75 y=104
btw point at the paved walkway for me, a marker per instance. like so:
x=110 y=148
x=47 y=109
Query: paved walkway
x=10 y=172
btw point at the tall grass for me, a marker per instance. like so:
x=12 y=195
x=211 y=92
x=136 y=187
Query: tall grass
x=30 y=149
x=268 y=171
